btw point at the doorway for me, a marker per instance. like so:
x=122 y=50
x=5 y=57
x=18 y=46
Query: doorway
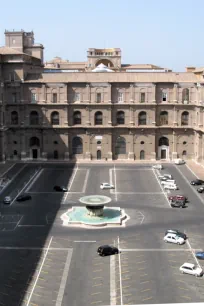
x=98 y=154
x=35 y=153
x=163 y=153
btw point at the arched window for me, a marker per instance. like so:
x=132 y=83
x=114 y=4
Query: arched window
x=142 y=118
x=77 y=117
x=55 y=118
x=34 y=141
x=14 y=117
x=77 y=145
x=15 y=152
x=142 y=154
x=184 y=153
x=163 y=118
x=163 y=141
x=120 y=147
x=120 y=117
x=98 y=118
x=184 y=118
x=34 y=118
x=55 y=154
x=185 y=95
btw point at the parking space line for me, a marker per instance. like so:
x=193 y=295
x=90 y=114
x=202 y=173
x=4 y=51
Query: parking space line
x=86 y=181
x=149 y=298
x=161 y=187
x=39 y=272
x=34 y=180
x=70 y=185
x=112 y=280
x=188 y=243
x=95 y=293
x=145 y=290
x=186 y=297
x=120 y=276
x=116 y=198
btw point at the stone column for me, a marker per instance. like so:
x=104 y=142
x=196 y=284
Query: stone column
x=110 y=144
x=174 y=153
x=175 y=93
x=22 y=98
x=44 y=94
x=109 y=109
x=131 y=116
x=154 y=87
x=66 y=93
x=175 y=123
x=109 y=93
x=153 y=153
x=66 y=143
x=131 y=93
x=2 y=147
x=200 y=121
x=88 y=93
x=88 y=121
x=88 y=137
x=43 y=154
x=23 y=145
x=131 y=154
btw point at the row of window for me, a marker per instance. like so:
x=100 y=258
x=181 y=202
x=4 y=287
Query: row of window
x=77 y=97
x=98 y=118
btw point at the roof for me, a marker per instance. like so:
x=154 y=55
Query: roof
x=114 y=77
x=190 y=265
x=8 y=51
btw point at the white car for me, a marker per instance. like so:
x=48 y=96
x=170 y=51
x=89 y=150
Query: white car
x=173 y=238
x=7 y=200
x=171 y=187
x=159 y=167
x=179 y=161
x=192 y=269
x=106 y=186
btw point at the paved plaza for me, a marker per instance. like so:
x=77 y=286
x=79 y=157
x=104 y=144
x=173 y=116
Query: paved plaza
x=44 y=264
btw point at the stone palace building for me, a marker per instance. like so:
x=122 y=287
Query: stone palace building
x=98 y=109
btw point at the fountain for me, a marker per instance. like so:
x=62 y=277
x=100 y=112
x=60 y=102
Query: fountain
x=95 y=213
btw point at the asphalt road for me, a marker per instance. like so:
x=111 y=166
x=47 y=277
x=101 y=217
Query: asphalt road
x=43 y=263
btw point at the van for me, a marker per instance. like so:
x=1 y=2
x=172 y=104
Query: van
x=171 y=186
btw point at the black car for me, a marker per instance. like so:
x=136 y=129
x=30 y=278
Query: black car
x=107 y=250
x=23 y=197
x=178 y=203
x=197 y=182
x=200 y=190
x=177 y=232
x=60 y=188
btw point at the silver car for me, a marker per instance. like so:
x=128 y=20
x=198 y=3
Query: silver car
x=7 y=200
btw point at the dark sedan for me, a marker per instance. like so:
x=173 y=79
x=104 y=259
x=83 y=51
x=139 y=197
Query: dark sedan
x=178 y=203
x=60 y=188
x=200 y=190
x=197 y=182
x=23 y=197
x=199 y=255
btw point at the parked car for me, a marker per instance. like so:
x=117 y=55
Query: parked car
x=179 y=161
x=199 y=255
x=177 y=197
x=192 y=269
x=171 y=187
x=168 y=182
x=106 y=186
x=158 y=167
x=24 y=197
x=173 y=238
x=169 y=176
x=107 y=250
x=177 y=232
x=60 y=188
x=200 y=190
x=7 y=200
x=178 y=203
x=162 y=178
x=197 y=182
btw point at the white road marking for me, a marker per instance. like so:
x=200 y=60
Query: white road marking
x=112 y=280
x=2 y=175
x=192 y=171
x=116 y=198
x=120 y=274
x=34 y=248
x=194 y=190
x=13 y=178
x=86 y=180
x=39 y=272
x=32 y=177
x=83 y=241
x=70 y=185
x=190 y=249
x=34 y=225
x=161 y=187
x=64 y=278
x=135 y=169
x=138 y=192
x=155 y=250
x=111 y=179
x=35 y=179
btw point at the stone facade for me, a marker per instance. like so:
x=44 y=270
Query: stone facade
x=63 y=110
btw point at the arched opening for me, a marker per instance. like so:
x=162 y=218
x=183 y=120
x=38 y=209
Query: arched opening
x=106 y=62
x=55 y=118
x=34 y=118
x=184 y=118
x=120 y=147
x=120 y=117
x=163 y=149
x=98 y=154
x=142 y=118
x=142 y=154
x=77 y=145
x=15 y=153
x=34 y=147
x=77 y=117
x=34 y=141
x=55 y=154
x=163 y=118
x=98 y=118
x=14 y=117
x=184 y=154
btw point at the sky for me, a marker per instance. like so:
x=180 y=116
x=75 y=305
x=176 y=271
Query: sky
x=159 y=32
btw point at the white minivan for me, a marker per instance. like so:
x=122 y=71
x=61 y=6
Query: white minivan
x=171 y=186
